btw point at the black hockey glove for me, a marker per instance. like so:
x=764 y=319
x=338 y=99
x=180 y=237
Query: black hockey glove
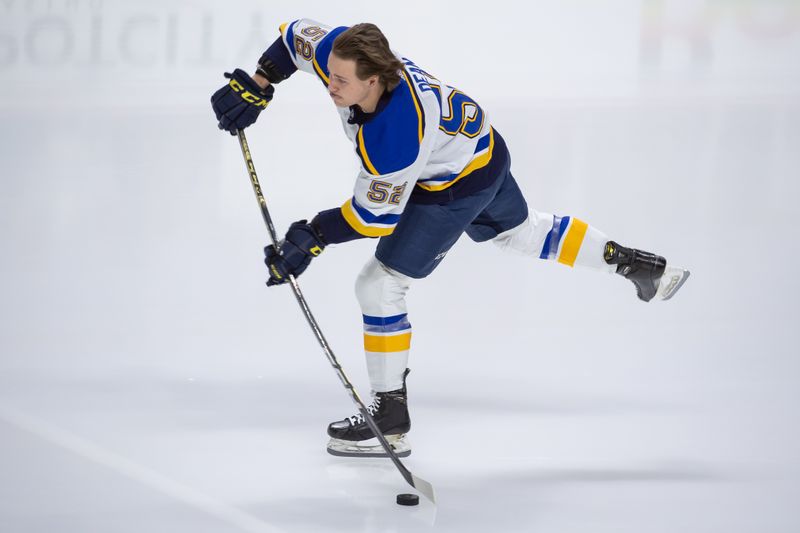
x=238 y=103
x=300 y=245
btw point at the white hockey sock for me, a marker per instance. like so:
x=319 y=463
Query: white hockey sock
x=387 y=332
x=566 y=239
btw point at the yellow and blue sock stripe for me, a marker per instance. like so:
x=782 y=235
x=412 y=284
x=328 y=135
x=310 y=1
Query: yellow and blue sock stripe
x=387 y=334
x=564 y=240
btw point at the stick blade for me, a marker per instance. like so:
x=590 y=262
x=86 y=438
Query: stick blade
x=424 y=487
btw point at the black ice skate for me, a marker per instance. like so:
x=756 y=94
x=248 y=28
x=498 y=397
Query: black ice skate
x=649 y=272
x=352 y=437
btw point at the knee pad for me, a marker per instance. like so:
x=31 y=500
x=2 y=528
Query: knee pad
x=380 y=290
x=528 y=237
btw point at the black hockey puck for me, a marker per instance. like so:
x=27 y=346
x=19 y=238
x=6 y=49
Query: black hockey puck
x=407 y=499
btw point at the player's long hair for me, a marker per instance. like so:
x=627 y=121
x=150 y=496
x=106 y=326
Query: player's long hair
x=368 y=47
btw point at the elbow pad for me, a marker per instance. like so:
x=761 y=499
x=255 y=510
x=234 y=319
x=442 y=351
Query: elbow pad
x=275 y=63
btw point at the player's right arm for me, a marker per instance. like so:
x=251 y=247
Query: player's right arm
x=303 y=45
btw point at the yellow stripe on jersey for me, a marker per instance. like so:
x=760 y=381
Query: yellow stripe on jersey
x=479 y=162
x=387 y=343
x=572 y=242
x=282 y=28
x=320 y=72
x=416 y=105
x=355 y=222
x=363 y=149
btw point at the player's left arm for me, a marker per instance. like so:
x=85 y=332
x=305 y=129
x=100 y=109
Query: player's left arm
x=374 y=210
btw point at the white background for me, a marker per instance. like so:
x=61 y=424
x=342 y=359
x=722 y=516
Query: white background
x=149 y=381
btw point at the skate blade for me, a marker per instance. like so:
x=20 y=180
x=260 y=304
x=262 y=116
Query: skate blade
x=674 y=278
x=365 y=448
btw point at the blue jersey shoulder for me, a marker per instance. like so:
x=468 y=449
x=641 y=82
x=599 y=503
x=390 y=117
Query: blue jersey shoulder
x=391 y=140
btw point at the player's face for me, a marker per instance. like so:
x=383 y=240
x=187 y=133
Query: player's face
x=345 y=87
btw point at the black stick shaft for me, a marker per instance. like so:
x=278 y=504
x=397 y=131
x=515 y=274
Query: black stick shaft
x=420 y=484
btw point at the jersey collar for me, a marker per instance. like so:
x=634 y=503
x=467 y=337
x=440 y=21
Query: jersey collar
x=358 y=116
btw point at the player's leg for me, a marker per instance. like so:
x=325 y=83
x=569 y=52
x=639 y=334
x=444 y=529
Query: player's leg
x=570 y=241
x=387 y=339
x=420 y=241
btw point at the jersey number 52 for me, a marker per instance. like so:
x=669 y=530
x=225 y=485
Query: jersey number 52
x=380 y=191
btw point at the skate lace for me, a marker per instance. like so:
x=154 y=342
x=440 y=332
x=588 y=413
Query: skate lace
x=371 y=409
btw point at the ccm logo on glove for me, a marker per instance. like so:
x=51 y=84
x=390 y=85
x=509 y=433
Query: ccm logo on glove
x=247 y=96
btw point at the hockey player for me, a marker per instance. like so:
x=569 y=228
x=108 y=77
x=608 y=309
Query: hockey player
x=432 y=167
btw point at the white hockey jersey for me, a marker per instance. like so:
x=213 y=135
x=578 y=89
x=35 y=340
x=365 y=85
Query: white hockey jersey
x=429 y=135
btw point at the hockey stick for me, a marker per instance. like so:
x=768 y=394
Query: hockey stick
x=420 y=484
